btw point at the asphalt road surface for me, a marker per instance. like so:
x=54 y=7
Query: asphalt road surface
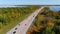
x=23 y=26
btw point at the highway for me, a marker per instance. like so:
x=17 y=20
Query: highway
x=23 y=26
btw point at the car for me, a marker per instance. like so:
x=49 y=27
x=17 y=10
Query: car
x=33 y=16
x=15 y=28
x=14 y=32
x=25 y=24
x=19 y=24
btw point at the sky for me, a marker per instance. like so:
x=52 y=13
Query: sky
x=29 y=2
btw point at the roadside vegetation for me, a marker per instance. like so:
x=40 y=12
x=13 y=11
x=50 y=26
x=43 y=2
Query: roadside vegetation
x=47 y=22
x=10 y=17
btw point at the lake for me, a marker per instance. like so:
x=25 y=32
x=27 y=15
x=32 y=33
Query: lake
x=55 y=8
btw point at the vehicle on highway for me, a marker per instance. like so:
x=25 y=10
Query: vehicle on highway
x=14 y=32
x=19 y=24
x=25 y=24
x=15 y=28
x=33 y=16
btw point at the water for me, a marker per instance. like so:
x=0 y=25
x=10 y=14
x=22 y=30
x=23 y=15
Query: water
x=55 y=8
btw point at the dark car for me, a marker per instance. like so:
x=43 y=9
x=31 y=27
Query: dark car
x=33 y=16
x=19 y=24
x=25 y=24
x=15 y=28
x=14 y=32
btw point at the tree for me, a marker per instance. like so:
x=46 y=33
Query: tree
x=0 y=25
